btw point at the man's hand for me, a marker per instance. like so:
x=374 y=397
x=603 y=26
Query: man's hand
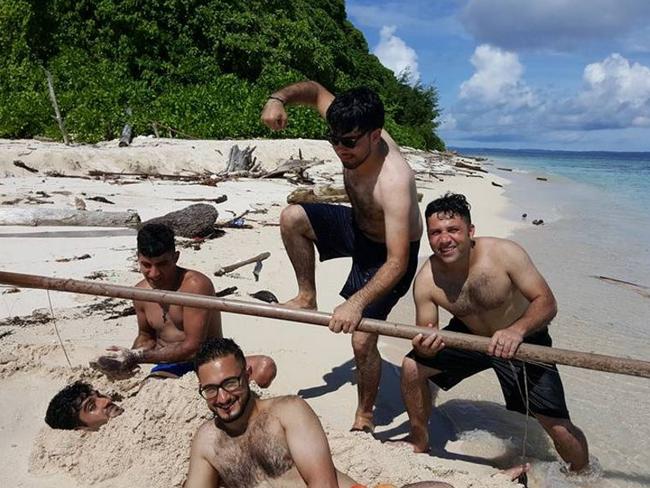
x=119 y=359
x=346 y=317
x=428 y=345
x=504 y=343
x=273 y=115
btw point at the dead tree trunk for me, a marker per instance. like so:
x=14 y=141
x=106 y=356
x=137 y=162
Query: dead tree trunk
x=240 y=160
x=67 y=216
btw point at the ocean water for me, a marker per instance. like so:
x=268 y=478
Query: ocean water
x=595 y=211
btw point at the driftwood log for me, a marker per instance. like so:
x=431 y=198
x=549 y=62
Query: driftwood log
x=473 y=167
x=67 y=216
x=456 y=340
x=194 y=221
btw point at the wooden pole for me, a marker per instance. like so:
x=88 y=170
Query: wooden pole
x=55 y=105
x=526 y=352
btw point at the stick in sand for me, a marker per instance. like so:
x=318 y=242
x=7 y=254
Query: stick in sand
x=526 y=352
x=232 y=267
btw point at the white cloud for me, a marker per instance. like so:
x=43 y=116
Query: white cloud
x=552 y=24
x=396 y=55
x=496 y=104
x=616 y=93
x=497 y=80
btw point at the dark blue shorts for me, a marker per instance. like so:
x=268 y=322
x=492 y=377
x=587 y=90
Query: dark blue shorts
x=177 y=369
x=337 y=235
x=545 y=390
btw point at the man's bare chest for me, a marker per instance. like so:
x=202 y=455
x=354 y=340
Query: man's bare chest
x=366 y=205
x=258 y=455
x=480 y=292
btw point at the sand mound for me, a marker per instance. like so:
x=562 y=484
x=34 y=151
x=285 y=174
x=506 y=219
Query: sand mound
x=148 y=445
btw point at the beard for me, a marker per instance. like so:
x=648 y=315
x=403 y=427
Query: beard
x=233 y=415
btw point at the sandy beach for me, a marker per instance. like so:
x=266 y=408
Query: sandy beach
x=149 y=445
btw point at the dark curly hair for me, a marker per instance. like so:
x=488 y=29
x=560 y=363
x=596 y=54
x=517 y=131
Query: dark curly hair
x=218 y=348
x=155 y=240
x=450 y=204
x=359 y=108
x=63 y=410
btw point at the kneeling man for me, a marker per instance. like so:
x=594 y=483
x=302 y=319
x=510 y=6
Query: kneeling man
x=170 y=335
x=492 y=289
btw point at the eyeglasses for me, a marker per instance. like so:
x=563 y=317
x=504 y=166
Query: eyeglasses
x=229 y=384
x=348 y=142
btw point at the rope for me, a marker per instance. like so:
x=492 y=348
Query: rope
x=56 y=329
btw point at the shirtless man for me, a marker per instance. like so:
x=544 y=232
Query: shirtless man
x=381 y=232
x=170 y=335
x=279 y=440
x=492 y=289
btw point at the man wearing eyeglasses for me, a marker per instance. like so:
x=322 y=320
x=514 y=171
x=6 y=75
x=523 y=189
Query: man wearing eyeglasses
x=381 y=231
x=251 y=441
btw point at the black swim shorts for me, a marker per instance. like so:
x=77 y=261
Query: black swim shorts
x=338 y=236
x=545 y=390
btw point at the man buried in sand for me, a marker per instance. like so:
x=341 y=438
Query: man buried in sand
x=80 y=406
x=381 y=232
x=492 y=289
x=170 y=335
x=251 y=440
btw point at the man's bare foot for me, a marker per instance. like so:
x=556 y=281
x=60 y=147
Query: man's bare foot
x=363 y=423
x=419 y=446
x=308 y=303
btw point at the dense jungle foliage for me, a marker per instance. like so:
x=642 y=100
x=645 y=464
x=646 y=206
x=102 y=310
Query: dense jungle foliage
x=200 y=67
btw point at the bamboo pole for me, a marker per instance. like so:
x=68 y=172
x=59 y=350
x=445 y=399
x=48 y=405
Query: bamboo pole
x=526 y=352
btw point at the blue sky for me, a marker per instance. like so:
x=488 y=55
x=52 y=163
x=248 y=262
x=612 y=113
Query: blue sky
x=546 y=74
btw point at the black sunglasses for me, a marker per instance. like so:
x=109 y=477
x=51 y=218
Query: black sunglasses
x=348 y=142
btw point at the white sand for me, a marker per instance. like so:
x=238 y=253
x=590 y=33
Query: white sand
x=148 y=445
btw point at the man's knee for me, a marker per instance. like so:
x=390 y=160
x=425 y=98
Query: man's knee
x=412 y=371
x=264 y=370
x=294 y=218
x=364 y=344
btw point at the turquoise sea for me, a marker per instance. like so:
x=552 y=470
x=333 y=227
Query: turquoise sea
x=605 y=195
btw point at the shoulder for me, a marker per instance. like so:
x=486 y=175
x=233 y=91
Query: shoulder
x=288 y=406
x=205 y=435
x=196 y=282
x=504 y=252
x=499 y=245
x=142 y=284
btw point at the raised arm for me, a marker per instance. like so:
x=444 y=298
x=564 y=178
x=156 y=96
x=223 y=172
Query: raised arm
x=201 y=473
x=195 y=326
x=542 y=306
x=307 y=443
x=307 y=93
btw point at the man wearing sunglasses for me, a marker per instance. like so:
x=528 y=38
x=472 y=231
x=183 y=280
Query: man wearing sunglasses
x=381 y=231
x=253 y=441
